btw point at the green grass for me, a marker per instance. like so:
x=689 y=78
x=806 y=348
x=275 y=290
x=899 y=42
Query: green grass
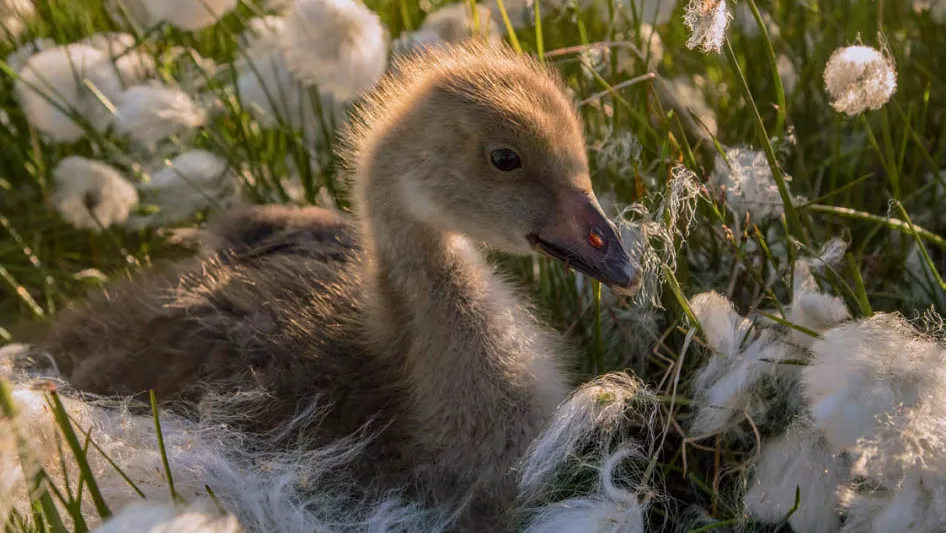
x=877 y=180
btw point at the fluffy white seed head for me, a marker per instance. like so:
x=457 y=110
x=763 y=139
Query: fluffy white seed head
x=455 y=22
x=286 y=491
x=189 y=183
x=17 y=58
x=166 y=518
x=411 y=41
x=594 y=412
x=876 y=389
x=653 y=234
x=61 y=74
x=132 y=65
x=800 y=458
x=338 y=45
x=743 y=367
x=150 y=113
x=90 y=194
x=859 y=78
x=262 y=36
x=14 y=15
x=747 y=179
x=916 y=508
x=608 y=509
x=190 y=15
x=707 y=20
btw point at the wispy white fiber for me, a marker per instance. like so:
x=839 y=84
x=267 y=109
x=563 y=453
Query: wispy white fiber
x=192 y=181
x=608 y=509
x=799 y=458
x=652 y=235
x=60 y=74
x=455 y=22
x=591 y=415
x=113 y=44
x=288 y=491
x=748 y=182
x=915 y=508
x=876 y=389
x=190 y=15
x=338 y=45
x=707 y=21
x=150 y=113
x=166 y=518
x=733 y=382
x=91 y=194
x=412 y=41
x=18 y=58
x=14 y=14
x=859 y=78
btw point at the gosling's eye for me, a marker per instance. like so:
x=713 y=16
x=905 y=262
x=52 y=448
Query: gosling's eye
x=505 y=159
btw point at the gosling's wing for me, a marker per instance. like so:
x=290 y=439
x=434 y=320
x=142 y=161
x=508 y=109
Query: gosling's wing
x=255 y=231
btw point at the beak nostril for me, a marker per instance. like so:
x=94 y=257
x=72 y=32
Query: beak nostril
x=595 y=239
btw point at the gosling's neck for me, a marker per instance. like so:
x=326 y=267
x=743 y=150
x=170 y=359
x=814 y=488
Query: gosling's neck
x=480 y=371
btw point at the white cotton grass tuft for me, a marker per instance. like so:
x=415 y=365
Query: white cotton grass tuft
x=14 y=14
x=291 y=491
x=608 y=509
x=876 y=389
x=732 y=385
x=190 y=182
x=18 y=58
x=339 y=45
x=190 y=15
x=747 y=180
x=150 y=113
x=60 y=75
x=707 y=20
x=455 y=22
x=799 y=458
x=653 y=235
x=91 y=194
x=749 y=363
x=272 y=94
x=915 y=508
x=619 y=152
x=593 y=415
x=166 y=518
x=413 y=41
x=859 y=78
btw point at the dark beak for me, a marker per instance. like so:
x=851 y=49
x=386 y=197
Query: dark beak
x=585 y=240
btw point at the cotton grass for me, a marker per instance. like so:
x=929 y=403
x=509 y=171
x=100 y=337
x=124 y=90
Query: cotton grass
x=876 y=389
x=707 y=20
x=859 y=78
x=90 y=194
x=747 y=180
x=150 y=113
x=53 y=85
x=190 y=15
x=190 y=182
x=338 y=45
x=799 y=460
x=166 y=518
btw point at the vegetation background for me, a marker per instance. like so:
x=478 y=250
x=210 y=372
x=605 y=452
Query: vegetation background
x=875 y=181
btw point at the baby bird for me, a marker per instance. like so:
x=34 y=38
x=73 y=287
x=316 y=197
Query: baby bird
x=389 y=323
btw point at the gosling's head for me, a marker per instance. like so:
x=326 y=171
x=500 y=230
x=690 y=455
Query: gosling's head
x=484 y=142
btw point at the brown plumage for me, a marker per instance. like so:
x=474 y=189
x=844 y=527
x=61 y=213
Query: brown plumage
x=393 y=318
